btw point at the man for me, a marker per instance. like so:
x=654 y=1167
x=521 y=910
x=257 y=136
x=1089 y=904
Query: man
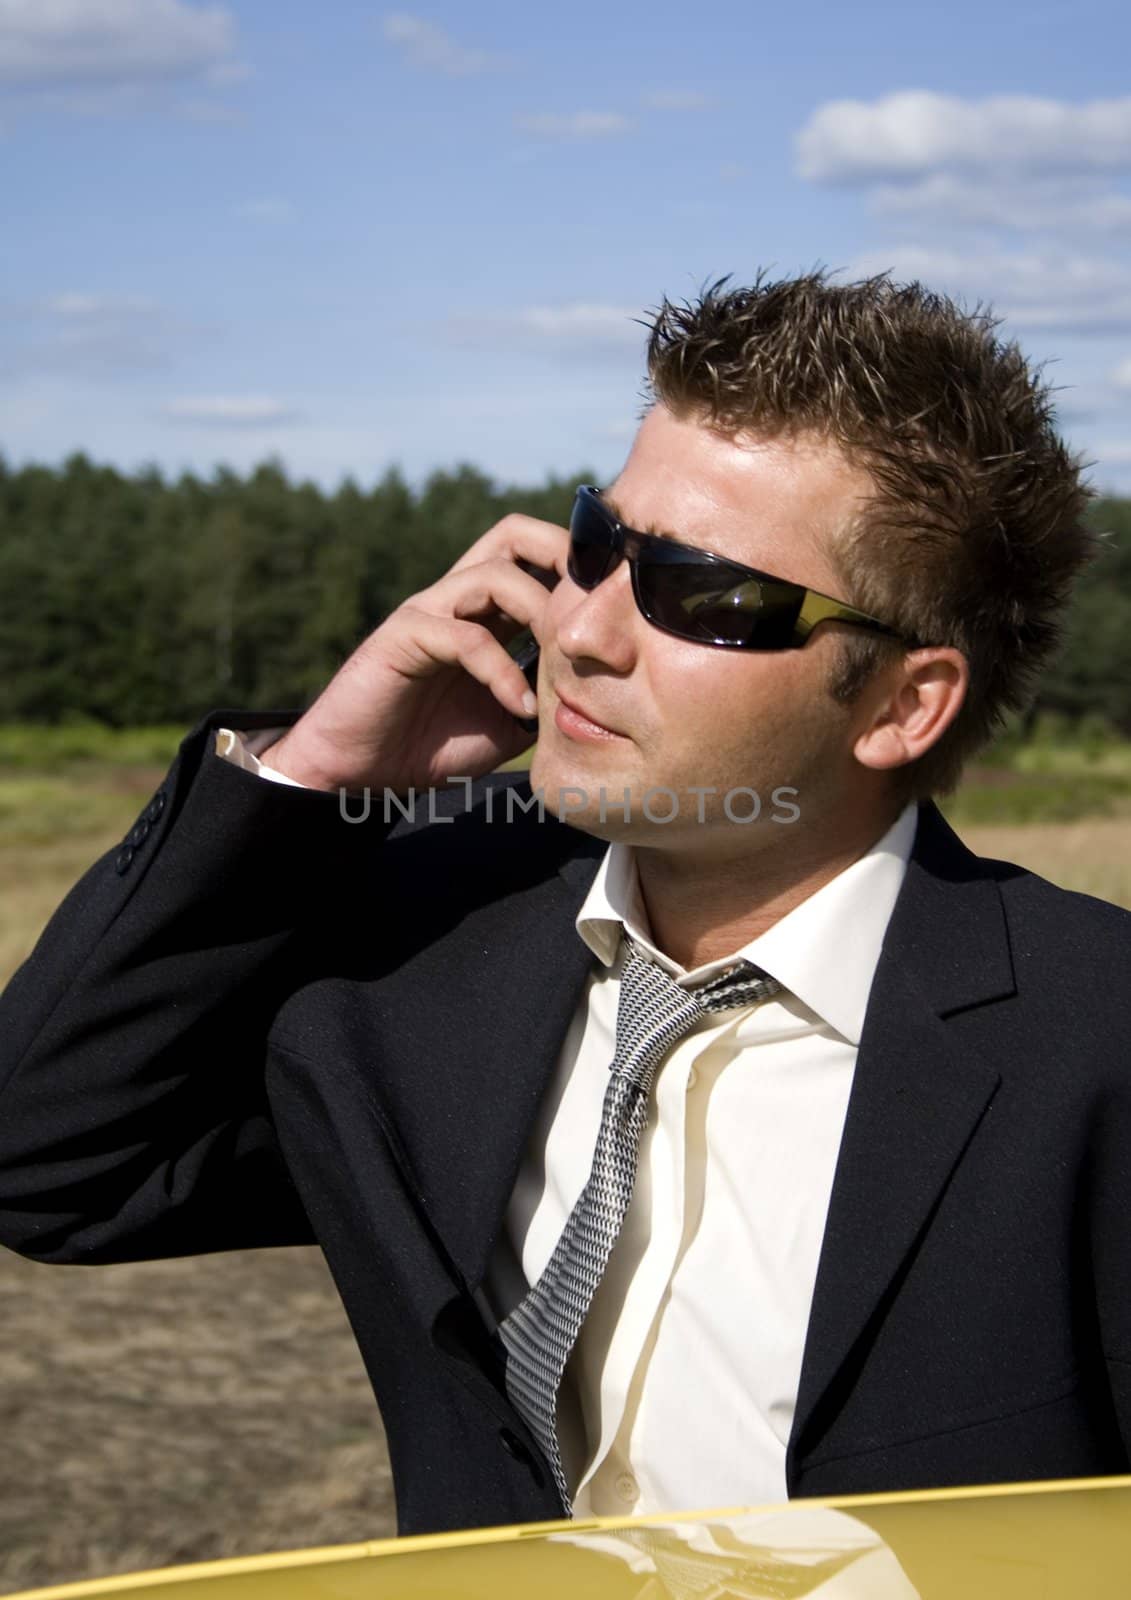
x=765 y=1143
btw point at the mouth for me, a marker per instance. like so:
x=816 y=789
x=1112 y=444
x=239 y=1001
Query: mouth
x=576 y=723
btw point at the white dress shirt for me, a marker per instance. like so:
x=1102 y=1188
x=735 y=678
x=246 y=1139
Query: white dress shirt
x=681 y=1389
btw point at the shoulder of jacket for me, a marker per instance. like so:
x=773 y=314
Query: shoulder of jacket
x=1034 y=896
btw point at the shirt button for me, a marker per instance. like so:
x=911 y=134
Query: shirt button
x=627 y=1487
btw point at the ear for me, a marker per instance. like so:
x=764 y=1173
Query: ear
x=910 y=707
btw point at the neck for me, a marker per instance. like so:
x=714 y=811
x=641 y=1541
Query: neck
x=701 y=910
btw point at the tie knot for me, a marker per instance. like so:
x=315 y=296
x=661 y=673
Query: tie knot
x=655 y=1011
x=742 y=984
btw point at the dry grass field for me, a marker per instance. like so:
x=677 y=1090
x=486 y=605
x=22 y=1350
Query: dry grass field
x=184 y=1410
x=166 y=1411
x=180 y=1411
x=1092 y=855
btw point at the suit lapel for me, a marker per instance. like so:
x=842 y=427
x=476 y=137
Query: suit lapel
x=463 y=1075
x=548 y=965
x=915 y=1103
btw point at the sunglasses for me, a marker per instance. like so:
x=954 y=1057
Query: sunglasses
x=695 y=595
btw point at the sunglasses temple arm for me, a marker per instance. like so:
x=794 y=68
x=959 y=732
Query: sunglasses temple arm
x=816 y=608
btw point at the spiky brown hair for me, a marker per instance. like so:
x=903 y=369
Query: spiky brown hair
x=976 y=531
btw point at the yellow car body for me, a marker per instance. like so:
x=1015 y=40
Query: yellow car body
x=1048 y=1541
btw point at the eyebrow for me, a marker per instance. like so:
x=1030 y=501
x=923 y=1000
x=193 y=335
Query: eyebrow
x=661 y=533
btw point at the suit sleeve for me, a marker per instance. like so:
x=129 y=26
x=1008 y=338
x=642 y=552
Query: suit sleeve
x=133 y=1117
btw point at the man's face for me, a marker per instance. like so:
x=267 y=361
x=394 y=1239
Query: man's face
x=689 y=715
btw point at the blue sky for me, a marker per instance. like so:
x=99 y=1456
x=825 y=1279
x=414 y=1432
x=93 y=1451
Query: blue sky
x=354 y=237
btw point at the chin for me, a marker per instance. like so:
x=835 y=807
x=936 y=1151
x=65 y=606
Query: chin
x=593 y=803
x=574 y=795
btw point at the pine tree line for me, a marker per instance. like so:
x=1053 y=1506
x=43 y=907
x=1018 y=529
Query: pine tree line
x=134 y=599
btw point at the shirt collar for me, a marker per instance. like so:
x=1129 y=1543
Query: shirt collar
x=807 y=950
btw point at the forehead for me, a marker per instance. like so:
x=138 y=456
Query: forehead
x=777 y=504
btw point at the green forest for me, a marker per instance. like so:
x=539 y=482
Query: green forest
x=134 y=599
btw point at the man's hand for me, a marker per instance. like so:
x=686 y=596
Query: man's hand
x=432 y=693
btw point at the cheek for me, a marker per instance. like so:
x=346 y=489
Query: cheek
x=741 y=712
x=701 y=689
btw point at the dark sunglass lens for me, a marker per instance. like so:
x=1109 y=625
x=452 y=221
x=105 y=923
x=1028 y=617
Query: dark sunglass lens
x=717 y=604
x=590 y=544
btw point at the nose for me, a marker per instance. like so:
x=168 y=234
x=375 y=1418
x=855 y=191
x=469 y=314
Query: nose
x=599 y=624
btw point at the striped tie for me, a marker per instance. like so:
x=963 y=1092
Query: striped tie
x=653 y=1013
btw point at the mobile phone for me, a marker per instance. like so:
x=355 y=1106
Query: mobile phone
x=525 y=650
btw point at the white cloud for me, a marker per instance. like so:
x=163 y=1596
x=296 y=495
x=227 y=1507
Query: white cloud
x=99 y=100
x=1121 y=376
x=51 y=42
x=231 y=411
x=92 y=336
x=914 y=132
x=676 y=100
x=582 y=320
x=426 y=45
x=1057 y=203
x=583 y=326
x=575 y=125
x=1047 y=292
x=271 y=211
x=74 y=306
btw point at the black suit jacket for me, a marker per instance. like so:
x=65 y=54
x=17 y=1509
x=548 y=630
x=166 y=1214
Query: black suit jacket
x=259 y=1024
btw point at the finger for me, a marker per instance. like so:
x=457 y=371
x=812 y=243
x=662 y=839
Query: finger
x=487 y=592
x=517 y=537
x=430 y=642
